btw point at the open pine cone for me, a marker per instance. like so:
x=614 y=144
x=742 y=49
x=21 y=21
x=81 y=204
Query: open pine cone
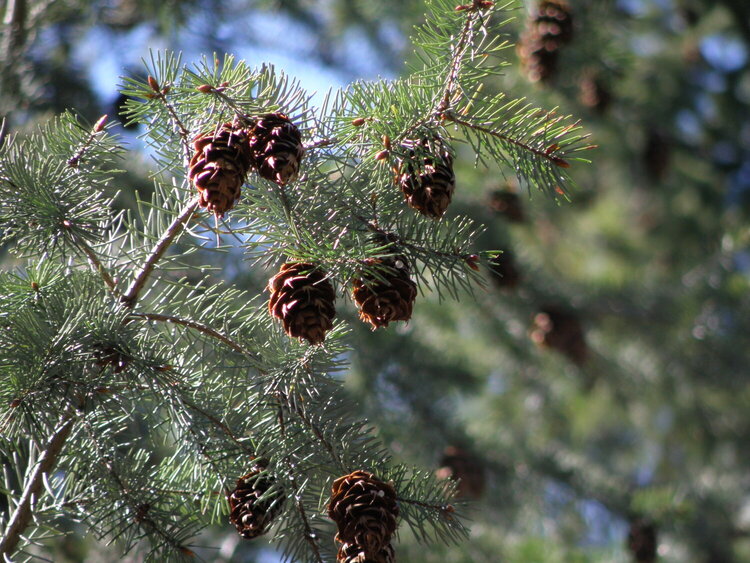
x=365 y=510
x=390 y=299
x=427 y=183
x=550 y=27
x=507 y=204
x=219 y=166
x=506 y=274
x=276 y=148
x=253 y=517
x=302 y=297
x=352 y=553
x=642 y=541
x=561 y=330
x=460 y=466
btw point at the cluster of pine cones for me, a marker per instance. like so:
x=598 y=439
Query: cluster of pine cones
x=363 y=507
x=302 y=297
x=270 y=144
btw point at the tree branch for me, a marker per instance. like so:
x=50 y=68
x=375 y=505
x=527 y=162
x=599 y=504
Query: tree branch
x=97 y=266
x=456 y=60
x=200 y=327
x=23 y=513
x=310 y=536
x=502 y=136
x=174 y=229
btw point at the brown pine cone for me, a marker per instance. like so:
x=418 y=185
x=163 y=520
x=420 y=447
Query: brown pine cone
x=460 y=466
x=505 y=270
x=219 y=166
x=352 y=553
x=428 y=185
x=253 y=517
x=549 y=28
x=391 y=298
x=560 y=330
x=508 y=204
x=593 y=92
x=302 y=297
x=276 y=148
x=365 y=510
x=642 y=542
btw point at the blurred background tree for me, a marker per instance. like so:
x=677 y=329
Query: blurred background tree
x=594 y=396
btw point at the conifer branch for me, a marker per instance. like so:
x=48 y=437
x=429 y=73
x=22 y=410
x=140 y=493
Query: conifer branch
x=97 y=266
x=22 y=516
x=310 y=536
x=317 y=432
x=200 y=327
x=174 y=229
x=139 y=511
x=456 y=60
x=219 y=423
x=321 y=143
x=75 y=160
x=161 y=94
x=444 y=509
x=449 y=115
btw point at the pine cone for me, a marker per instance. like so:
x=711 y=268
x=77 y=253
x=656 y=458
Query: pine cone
x=389 y=299
x=547 y=30
x=352 y=553
x=460 y=466
x=253 y=517
x=504 y=268
x=657 y=154
x=365 y=511
x=427 y=185
x=561 y=330
x=594 y=93
x=276 y=148
x=219 y=167
x=642 y=541
x=303 y=298
x=508 y=204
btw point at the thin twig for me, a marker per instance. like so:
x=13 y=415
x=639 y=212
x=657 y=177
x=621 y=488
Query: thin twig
x=445 y=509
x=75 y=160
x=314 y=428
x=97 y=266
x=183 y=131
x=139 y=510
x=23 y=513
x=456 y=60
x=200 y=327
x=321 y=143
x=310 y=536
x=502 y=136
x=175 y=228
x=219 y=423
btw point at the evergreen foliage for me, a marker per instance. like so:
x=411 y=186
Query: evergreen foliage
x=136 y=390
